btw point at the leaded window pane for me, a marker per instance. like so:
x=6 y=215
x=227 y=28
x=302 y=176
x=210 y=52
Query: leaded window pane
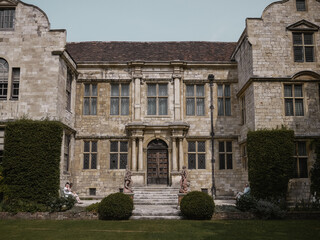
x=309 y=54
x=221 y=146
x=113 y=161
x=87 y=90
x=301 y=5
x=114 y=90
x=123 y=146
x=297 y=38
x=308 y=38
x=222 y=161
x=201 y=161
x=114 y=106
x=201 y=146
x=152 y=90
x=299 y=107
x=302 y=149
x=191 y=146
x=303 y=167
x=220 y=107
x=200 y=90
x=93 y=161
x=123 y=161
x=86 y=160
x=227 y=92
x=190 y=106
x=86 y=106
x=152 y=106
x=288 y=90
x=94 y=92
x=125 y=90
x=94 y=146
x=220 y=90
x=163 y=106
x=7 y=18
x=228 y=106
x=200 y=106
x=229 y=146
x=86 y=146
x=93 y=106
x=229 y=161
x=289 y=107
x=124 y=106
x=190 y=90
x=298 y=54
x=163 y=90
x=113 y=146
x=191 y=161
x=298 y=91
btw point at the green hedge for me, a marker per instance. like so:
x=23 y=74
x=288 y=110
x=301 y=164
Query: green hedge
x=31 y=160
x=315 y=171
x=270 y=162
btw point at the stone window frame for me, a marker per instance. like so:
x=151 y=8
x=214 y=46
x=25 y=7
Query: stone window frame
x=7 y=18
x=301 y=5
x=1 y=144
x=195 y=97
x=303 y=46
x=225 y=162
x=195 y=153
x=243 y=110
x=69 y=90
x=223 y=97
x=120 y=97
x=90 y=154
x=294 y=99
x=4 y=79
x=301 y=159
x=119 y=153
x=91 y=98
x=158 y=97
x=15 y=85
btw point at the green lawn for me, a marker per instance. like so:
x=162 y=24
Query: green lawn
x=239 y=230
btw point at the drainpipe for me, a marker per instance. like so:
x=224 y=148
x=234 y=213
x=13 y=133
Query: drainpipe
x=213 y=188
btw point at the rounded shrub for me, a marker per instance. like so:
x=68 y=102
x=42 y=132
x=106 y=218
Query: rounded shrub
x=116 y=206
x=197 y=206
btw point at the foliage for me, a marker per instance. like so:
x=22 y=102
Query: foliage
x=93 y=207
x=1 y=183
x=307 y=205
x=197 y=205
x=61 y=204
x=270 y=162
x=268 y=210
x=15 y=206
x=31 y=160
x=246 y=202
x=226 y=208
x=116 y=206
x=315 y=172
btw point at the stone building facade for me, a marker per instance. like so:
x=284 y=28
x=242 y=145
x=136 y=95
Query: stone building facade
x=148 y=104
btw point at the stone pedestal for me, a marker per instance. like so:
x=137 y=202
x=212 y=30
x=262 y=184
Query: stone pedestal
x=175 y=179
x=138 y=179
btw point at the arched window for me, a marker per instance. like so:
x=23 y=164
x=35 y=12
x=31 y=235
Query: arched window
x=4 y=73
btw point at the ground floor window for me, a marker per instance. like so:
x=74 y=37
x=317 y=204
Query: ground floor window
x=118 y=154
x=67 y=140
x=1 y=144
x=301 y=160
x=225 y=155
x=90 y=155
x=196 y=155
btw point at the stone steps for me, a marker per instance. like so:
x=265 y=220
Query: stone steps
x=155 y=202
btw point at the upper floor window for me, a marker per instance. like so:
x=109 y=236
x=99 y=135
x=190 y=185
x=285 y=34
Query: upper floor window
x=68 y=89
x=4 y=72
x=90 y=99
x=301 y=160
x=15 y=83
x=119 y=102
x=225 y=155
x=157 y=99
x=303 y=47
x=196 y=155
x=301 y=5
x=118 y=154
x=90 y=155
x=7 y=18
x=1 y=144
x=195 y=100
x=243 y=110
x=293 y=100
x=224 y=100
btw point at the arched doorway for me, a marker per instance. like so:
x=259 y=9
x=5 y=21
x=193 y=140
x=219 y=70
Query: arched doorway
x=157 y=165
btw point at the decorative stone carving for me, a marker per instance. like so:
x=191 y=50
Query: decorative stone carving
x=184 y=184
x=128 y=181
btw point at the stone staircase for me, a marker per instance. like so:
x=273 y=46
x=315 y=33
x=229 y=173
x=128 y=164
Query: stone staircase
x=155 y=202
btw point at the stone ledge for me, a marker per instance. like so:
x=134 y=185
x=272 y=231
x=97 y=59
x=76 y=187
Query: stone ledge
x=49 y=216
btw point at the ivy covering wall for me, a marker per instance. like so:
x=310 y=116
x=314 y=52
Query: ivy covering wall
x=31 y=160
x=270 y=162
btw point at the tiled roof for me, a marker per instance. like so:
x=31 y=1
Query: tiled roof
x=86 y=52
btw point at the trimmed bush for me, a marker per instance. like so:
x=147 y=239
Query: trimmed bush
x=246 y=202
x=31 y=160
x=116 y=206
x=197 y=205
x=271 y=163
x=268 y=210
x=315 y=172
x=93 y=207
x=61 y=204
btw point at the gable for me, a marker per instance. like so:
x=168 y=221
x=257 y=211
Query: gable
x=8 y=3
x=303 y=25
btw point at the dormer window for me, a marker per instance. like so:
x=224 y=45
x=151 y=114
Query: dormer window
x=303 y=47
x=301 y=5
x=7 y=19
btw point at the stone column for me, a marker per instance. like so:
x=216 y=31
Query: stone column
x=140 y=155
x=174 y=155
x=177 y=105
x=134 y=155
x=137 y=99
x=181 y=162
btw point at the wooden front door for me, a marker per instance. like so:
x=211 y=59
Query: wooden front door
x=157 y=163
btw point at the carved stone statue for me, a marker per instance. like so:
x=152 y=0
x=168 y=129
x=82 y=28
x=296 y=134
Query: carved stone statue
x=128 y=181
x=184 y=184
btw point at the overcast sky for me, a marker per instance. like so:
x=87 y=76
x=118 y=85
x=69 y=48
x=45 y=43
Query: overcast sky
x=151 y=20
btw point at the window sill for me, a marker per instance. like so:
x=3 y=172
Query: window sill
x=157 y=116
